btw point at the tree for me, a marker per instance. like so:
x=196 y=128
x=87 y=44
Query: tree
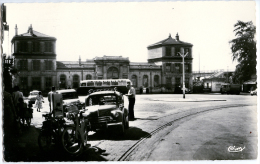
x=243 y=49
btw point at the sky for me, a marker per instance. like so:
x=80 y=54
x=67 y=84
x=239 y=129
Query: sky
x=127 y=28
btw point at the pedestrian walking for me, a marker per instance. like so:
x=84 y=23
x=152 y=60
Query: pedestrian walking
x=131 y=98
x=16 y=95
x=38 y=102
x=50 y=98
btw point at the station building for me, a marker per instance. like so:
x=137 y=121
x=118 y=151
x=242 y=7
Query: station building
x=35 y=59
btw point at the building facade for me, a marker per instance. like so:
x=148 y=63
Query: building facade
x=35 y=58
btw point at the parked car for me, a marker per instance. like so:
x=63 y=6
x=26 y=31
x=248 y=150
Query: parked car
x=105 y=109
x=253 y=92
x=32 y=96
x=70 y=97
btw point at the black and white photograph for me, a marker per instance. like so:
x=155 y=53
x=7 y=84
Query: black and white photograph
x=113 y=81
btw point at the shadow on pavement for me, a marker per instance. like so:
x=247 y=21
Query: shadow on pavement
x=133 y=133
x=24 y=147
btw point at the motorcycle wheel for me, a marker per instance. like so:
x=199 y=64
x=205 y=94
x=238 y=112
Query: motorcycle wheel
x=72 y=144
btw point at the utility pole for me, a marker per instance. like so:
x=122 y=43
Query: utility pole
x=183 y=70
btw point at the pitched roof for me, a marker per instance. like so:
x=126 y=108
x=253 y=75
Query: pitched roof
x=169 y=41
x=34 y=34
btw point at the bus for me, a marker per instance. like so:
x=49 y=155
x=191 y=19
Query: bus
x=89 y=86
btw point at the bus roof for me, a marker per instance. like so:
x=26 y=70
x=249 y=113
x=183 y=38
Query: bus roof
x=105 y=80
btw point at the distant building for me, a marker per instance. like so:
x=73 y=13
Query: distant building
x=166 y=54
x=35 y=58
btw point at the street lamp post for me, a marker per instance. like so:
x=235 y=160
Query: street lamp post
x=183 y=73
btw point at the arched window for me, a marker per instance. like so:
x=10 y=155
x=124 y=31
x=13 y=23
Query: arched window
x=88 y=77
x=62 y=81
x=112 y=73
x=134 y=80
x=156 y=81
x=145 y=81
x=75 y=81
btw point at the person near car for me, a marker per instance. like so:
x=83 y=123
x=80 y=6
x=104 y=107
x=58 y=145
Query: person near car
x=16 y=95
x=131 y=98
x=53 y=90
x=38 y=102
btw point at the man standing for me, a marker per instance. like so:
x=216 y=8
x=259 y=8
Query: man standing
x=50 y=98
x=131 y=98
x=16 y=95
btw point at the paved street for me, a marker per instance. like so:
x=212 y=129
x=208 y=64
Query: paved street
x=168 y=127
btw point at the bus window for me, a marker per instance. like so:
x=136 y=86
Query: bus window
x=98 y=83
x=114 y=82
x=106 y=83
x=83 y=84
x=90 y=83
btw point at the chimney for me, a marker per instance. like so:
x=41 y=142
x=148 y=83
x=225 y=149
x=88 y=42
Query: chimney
x=177 y=37
x=30 y=29
x=16 y=30
x=79 y=60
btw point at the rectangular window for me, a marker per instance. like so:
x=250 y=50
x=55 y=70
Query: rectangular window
x=168 y=51
x=187 y=50
x=24 y=84
x=48 y=47
x=36 y=65
x=48 y=65
x=106 y=83
x=90 y=83
x=23 y=65
x=125 y=76
x=177 y=67
x=48 y=83
x=98 y=83
x=36 y=83
x=114 y=82
x=177 y=49
x=186 y=67
x=36 y=46
x=168 y=67
x=23 y=46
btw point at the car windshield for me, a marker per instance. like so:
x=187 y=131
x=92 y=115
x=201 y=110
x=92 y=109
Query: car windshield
x=34 y=93
x=101 y=100
x=69 y=95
